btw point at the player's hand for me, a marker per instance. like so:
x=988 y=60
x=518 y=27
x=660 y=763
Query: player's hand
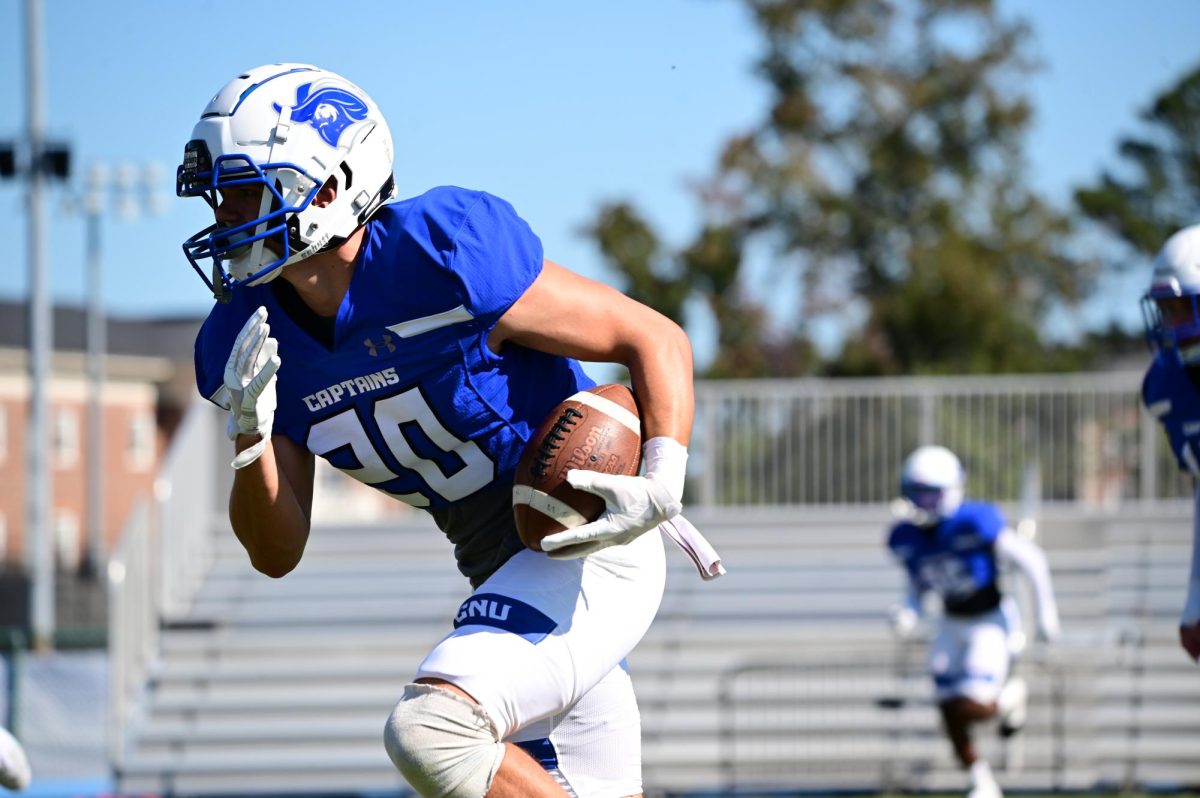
x=250 y=381
x=635 y=506
x=1189 y=638
x=903 y=619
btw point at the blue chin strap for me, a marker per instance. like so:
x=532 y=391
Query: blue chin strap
x=220 y=244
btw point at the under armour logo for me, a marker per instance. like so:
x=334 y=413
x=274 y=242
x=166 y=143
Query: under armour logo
x=373 y=348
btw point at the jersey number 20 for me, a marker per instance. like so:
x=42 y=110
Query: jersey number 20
x=346 y=430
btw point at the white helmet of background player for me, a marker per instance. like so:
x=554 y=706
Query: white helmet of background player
x=288 y=128
x=931 y=483
x=1170 y=308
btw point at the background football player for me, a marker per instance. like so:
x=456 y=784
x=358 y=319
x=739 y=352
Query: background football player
x=951 y=547
x=416 y=345
x=1169 y=388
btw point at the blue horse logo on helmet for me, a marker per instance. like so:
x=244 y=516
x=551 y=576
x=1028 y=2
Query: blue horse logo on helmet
x=330 y=111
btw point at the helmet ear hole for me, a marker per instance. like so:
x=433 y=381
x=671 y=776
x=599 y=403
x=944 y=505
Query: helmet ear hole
x=327 y=194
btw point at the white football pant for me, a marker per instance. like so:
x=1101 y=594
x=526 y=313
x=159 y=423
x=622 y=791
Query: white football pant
x=970 y=656
x=537 y=683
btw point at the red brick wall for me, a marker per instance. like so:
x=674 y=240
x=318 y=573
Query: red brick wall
x=123 y=483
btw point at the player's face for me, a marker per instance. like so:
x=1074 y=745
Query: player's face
x=240 y=205
x=1176 y=310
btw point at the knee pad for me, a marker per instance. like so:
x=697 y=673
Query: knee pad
x=444 y=745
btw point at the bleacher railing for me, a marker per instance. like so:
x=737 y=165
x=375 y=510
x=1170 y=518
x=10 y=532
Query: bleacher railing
x=840 y=441
x=862 y=719
x=162 y=558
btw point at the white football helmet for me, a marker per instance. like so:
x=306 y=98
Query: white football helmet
x=931 y=483
x=1169 y=307
x=289 y=128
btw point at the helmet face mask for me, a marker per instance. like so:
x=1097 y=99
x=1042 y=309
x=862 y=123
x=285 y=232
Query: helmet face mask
x=287 y=130
x=931 y=484
x=1171 y=306
x=255 y=251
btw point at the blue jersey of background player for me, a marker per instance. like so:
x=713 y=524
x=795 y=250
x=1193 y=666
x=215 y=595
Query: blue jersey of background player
x=955 y=558
x=415 y=346
x=951 y=547
x=1169 y=388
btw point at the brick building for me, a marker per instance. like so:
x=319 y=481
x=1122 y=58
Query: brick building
x=148 y=380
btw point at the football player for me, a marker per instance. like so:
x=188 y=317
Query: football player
x=416 y=345
x=14 y=764
x=950 y=546
x=1169 y=388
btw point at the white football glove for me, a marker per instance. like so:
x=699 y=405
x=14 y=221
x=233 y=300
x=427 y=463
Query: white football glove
x=634 y=505
x=903 y=619
x=250 y=381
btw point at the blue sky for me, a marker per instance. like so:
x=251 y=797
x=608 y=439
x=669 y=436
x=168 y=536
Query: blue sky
x=555 y=106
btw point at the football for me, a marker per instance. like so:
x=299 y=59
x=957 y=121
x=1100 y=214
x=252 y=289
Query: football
x=598 y=429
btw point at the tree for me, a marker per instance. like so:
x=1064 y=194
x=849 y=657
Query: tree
x=886 y=178
x=1161 y=192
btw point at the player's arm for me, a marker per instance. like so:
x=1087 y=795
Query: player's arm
x=1031 y=561
x=564 y=313
x=1167 y=386
x=905 y=615
x=1189 y=622
x=271 y=500
x=270 y=505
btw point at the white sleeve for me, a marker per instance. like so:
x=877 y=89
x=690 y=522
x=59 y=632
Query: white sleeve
x=905 y=616
x=912 y=593
x=912 y=596
x=1191 y=608
x=1031 y=561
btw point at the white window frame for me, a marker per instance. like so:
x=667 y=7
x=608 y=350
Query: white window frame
x=68 y=545
x=141 y=441
x=65 y=444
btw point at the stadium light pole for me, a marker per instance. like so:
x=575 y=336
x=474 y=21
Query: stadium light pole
x=133 y=191
x=97 y=346
x=39 y=500
x=34 y=160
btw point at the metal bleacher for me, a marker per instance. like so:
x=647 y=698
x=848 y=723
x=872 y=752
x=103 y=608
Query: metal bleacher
x=282 y=686
x=780 y=676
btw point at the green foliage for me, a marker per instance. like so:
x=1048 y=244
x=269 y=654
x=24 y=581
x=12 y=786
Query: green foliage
x=885 y=180
x=1160 y=192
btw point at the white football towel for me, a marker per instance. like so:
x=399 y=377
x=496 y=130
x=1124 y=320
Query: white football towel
x=688 y=538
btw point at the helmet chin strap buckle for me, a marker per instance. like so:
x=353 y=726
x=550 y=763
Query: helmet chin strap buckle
x=221 y=291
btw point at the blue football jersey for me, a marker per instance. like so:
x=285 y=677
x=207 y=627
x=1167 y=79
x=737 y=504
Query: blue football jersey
x=1172 y=398
x=407 y=397
x=956 y=558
